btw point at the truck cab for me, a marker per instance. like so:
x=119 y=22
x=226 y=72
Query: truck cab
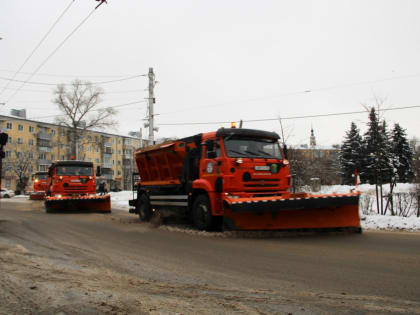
x=40 y=180
x=71 y=178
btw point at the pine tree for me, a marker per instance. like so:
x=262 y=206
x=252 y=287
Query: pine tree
x=402 y=155
x=370 y=148
x=351 y=154
x=385 y=159
x=377 y=161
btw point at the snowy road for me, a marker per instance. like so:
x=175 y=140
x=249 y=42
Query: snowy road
x=90 y=263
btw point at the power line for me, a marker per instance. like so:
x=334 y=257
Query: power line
x=53 y=52
x=39 y=44
x=93 y=110
x=68 y=75
x=49 y=91
x=285 y=118
x=82 y=83
x=303 y=91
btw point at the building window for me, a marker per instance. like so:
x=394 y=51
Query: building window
x=20 y=127
x=61 y=146
x=63 y=133
x=90 y=159
x=96 y=160
x=62 y=157
x=43 y=168
x=113 y=162
x=18 y=154
x=30 y=168
x=119 y=141
x=53 y=157
x=30 y=155
x=9 y=125
x=31 y=141
x=89 y=149
x=119 y=162
x=53 y=132
x=8 y=154
x=9 y=140
x=42 y=156
x=8 y=183
x=31 y=129
x=119 y=152
x=97 y=150
x=119 y=173
x=20 y=141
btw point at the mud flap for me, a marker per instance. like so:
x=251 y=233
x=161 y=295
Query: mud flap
x=81 y=203
x=308 y=212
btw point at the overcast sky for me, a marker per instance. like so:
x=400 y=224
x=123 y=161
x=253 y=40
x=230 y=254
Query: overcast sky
x=223 y=61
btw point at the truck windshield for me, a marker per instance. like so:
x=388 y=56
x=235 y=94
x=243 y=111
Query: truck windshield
x=41 y=176
x=252 y=147
x=75 y=170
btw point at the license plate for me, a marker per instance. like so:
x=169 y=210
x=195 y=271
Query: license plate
x=262 y=168
x=75 y=181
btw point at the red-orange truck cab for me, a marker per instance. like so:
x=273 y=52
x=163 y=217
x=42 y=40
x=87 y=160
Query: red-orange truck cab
x=238 y=178
x=39 y=180
x=72 y=184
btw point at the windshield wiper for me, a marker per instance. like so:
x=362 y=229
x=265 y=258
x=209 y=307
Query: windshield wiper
x=253 y=153
x=269 y=155
x=237 y=152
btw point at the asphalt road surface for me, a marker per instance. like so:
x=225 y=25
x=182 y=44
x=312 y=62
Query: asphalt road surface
x=89 y=263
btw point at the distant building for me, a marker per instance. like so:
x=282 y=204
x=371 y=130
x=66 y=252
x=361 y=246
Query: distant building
x=49 y=142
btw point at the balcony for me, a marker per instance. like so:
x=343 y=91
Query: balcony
x=107 y=144
x=107 y=165
x=44 y=136
x=107 y=176
x=107 y=150
x=44 y=149
x=44 y=162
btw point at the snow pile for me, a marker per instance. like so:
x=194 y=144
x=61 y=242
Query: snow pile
x=386 y=222
x=119 y=200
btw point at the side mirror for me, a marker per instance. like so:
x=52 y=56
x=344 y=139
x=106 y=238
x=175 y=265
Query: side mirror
x=212 y=155
x=285 y=152
x=210 y=145
x=98 y=171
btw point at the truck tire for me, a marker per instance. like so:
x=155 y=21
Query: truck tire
x=202 y=217
x=143 y=208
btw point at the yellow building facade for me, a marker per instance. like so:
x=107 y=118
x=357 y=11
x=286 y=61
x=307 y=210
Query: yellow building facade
x=34 y=145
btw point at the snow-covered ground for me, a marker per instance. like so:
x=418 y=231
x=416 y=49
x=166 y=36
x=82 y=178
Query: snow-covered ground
x=369 y=221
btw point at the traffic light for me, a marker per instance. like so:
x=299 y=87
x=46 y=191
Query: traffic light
x=3 y=138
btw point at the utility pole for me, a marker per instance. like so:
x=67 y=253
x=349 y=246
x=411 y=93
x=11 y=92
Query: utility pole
x=151 y=103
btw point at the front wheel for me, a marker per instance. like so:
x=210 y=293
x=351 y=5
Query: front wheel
x=144 y=208
x=202 y=217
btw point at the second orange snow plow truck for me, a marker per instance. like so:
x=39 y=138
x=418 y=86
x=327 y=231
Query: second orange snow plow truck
x=39 y=185
x=72 y=187
x=235 y=178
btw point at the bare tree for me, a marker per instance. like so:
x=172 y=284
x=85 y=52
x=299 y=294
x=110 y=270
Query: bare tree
x=20 y=164
x=79 y=105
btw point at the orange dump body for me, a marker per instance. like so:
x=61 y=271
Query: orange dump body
x=72 y=187
x=246 y=178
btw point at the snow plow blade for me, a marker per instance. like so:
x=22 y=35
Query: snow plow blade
x=37 y=195
x=79 y=203
x=300 y=211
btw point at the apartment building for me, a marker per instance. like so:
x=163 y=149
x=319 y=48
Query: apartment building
x=42 y=143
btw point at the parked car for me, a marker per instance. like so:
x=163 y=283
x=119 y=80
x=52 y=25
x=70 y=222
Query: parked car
x=7 y=193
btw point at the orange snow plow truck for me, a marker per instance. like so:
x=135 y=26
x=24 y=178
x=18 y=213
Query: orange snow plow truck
x=236 y=179
x=39 y=185
x=72 y=187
